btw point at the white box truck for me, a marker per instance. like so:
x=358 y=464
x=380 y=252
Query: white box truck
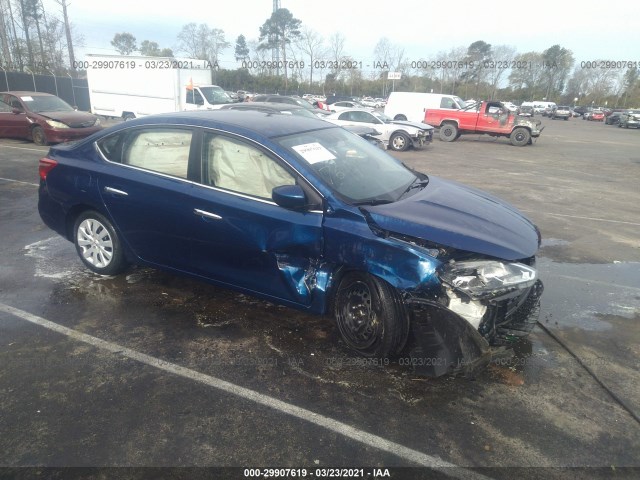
x=412 y=105
x=135 y=86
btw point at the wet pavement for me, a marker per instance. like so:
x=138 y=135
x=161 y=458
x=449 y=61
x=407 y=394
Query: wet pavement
x=66 y=402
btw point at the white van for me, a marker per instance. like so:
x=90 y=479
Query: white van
x=412 y=105
x=539 y=106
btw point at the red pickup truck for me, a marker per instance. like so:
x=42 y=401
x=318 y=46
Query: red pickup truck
x=492 y=118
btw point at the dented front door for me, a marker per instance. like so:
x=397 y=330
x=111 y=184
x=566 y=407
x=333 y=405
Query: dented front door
x=239 y=235
x=256 y=245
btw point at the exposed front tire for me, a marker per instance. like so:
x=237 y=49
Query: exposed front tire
x=399 y=142
x=38 y=136
x=98 y=244
x=448 y=132
x=520 y=137
x=370 y=315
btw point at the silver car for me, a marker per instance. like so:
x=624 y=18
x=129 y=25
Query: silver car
x=397 y=135
x=561 y=111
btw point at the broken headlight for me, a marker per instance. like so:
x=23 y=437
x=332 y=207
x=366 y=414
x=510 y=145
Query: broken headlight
x=487 y=278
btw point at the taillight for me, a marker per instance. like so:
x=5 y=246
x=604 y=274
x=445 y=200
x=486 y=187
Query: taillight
x=45 y=166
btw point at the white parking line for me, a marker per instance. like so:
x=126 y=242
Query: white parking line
x=25 y=148
x=374 y=441
x=19 y=181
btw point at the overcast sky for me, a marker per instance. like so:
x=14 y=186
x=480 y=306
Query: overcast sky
x=591 y=29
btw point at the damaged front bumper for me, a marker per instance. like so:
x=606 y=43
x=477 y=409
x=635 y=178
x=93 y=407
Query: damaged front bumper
x=443 y=342
x=422 y=139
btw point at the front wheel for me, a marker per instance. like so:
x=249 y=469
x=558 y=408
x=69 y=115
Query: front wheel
x=370 y=315
x=400 y=118
x=97 y=244
x=399 y=142
x=520 y=137
x=38 y=136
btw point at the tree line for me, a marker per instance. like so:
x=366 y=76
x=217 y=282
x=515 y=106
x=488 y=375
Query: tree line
x=288 y=57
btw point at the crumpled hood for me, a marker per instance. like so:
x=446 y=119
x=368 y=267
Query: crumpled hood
x=74 y=119
x=462 y=217
x=423 y=126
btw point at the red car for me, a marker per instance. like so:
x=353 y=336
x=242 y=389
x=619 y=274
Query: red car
x=43 y=118
x=596 y=116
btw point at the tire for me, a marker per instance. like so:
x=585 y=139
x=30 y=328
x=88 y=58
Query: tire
x=370 y=315
x=448 y=132
x=399 y=142
x=566 y=118
x=128 y=116
x=98 y=244
x=520 y=137
x=400 y=117
x=38 y=136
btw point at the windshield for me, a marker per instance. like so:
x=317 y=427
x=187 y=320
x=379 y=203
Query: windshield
x=215 y=95
x=356 y=170
x=41 y=103
x=461 y=103
x=382 y=117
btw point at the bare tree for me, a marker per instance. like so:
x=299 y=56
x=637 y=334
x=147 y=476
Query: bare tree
x=336 y=50
x=312 y=44
x=502 y=58
x=4 y=36
x=202 y=42
x=67 y=32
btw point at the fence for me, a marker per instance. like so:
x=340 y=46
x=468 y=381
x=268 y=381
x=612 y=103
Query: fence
x=74 y=91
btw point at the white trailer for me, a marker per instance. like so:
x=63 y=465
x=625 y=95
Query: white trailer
x=135 y=86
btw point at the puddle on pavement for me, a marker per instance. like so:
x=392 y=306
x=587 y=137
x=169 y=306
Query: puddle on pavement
x=213 y=322
x=583 y=295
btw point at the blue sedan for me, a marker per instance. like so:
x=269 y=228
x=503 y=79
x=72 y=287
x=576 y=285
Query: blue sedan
x=306 y=214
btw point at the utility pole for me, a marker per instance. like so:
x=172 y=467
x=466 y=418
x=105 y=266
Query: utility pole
x=275 y=51
x=67 y=29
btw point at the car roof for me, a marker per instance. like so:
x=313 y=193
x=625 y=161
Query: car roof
x=276 y=107
x=19 y=93
x=354 y=109
x=247 y=122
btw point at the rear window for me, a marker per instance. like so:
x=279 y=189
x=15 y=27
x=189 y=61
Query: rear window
x=159 y=149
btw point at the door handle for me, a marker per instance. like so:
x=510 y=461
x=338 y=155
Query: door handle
x=203 y=213
x=115 y=191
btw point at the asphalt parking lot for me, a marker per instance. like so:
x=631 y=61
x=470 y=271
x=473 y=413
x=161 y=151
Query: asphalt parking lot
x=152 y=370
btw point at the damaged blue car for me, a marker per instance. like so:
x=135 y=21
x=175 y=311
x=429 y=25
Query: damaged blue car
x=306 y=214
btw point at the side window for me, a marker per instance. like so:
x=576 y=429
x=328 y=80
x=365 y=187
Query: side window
x=194 y=97
x=345 y=116
x=447 y=103
x=164 y=150
x=237 y=166
x=363 y=117
x=111 y=147
x=4 y=107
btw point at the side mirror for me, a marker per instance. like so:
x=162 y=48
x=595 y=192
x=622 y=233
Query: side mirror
x=291 y=197
x=16 y=110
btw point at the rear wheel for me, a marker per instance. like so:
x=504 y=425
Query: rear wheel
x=370 y=315
x=38 y=136
x=520 y=137
x=448 y=132
x=98 y=244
